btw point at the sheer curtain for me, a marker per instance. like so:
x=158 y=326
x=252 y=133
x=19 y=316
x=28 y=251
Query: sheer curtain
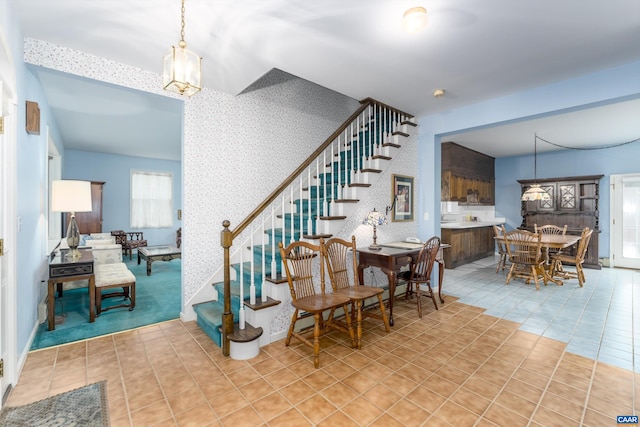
x=151 y=199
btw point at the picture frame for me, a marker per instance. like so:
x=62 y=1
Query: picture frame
x=402 y=198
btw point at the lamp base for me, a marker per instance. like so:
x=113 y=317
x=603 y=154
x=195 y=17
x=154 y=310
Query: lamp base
x=73 y=237
x=375 y=247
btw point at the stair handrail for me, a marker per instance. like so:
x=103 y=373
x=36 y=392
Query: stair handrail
x=227 y=236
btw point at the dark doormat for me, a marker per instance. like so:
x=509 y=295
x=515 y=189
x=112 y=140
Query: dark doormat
x=85 y=406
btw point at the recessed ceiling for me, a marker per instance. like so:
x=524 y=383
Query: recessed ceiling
x=474 y=50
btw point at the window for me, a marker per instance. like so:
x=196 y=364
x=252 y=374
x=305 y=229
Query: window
x=151 y=199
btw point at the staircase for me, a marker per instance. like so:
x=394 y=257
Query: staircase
x=311 y=204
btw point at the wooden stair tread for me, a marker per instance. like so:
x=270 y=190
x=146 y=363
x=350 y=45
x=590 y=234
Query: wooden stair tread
x=278 y=280
x=400 y=133
x=316 y=237
x=382 y=157
x=357 y=184
x=259 y=305
x=346 y=200
x=248 y=334
x=391 y=144
x=332 y=218
x=371 y=170
x=407 y=122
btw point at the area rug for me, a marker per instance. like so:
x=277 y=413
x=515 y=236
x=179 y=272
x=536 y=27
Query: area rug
x=85 y=406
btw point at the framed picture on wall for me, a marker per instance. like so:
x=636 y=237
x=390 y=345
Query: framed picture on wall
x=402 y=192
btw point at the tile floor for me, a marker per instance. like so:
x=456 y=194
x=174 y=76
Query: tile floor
x=493 y=355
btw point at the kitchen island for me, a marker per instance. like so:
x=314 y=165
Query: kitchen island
x=469 y=240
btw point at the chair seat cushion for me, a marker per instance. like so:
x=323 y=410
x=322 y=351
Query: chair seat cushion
x=109 y=275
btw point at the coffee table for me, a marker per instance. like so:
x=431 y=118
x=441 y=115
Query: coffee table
x=158 y=253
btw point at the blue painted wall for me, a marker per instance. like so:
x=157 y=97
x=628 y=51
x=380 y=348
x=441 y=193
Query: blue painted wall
x=608 y=86
x=115 y=171
x=611 y=161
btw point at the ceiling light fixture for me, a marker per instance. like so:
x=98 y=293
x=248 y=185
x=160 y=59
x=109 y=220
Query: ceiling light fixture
x=414 y=19
x=535 y=192
x=438 y=93
x=182 y=67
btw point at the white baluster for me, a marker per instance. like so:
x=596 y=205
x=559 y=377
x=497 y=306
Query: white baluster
x=241 y=312
x=263 y=286
x=252 y=287
x=274 y=274
x=308 y=200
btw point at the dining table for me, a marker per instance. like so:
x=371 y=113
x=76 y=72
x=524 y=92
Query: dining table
x=552 y=241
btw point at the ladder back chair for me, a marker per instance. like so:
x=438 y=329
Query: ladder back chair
x=525 y=254
x=420 y=272
x=558 y=260
x=502 y=249
x=303 y=262
x=343 y=283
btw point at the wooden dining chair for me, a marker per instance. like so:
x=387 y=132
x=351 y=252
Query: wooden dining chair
x=343 y=281
x=525 y=254
x=303 y=262
x=420 y=273
x=558 y=260
x=550 y=229
x=502 y=249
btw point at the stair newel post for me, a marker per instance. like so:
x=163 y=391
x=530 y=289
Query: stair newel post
x=241 y=310
x=252 y=286
x=226 y=240
x=274 y=272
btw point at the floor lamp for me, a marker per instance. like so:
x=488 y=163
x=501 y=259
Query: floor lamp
x=71 y=196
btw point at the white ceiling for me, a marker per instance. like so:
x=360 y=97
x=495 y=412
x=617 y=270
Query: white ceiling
x=476 y=50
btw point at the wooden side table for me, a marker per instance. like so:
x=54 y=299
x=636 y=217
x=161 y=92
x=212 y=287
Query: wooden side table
x=64 y=268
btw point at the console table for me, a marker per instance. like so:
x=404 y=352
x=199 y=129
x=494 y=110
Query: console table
x=65 y=268
x=390 y=259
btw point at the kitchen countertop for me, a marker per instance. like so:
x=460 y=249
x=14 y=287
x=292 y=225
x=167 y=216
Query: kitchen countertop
x=469 y=224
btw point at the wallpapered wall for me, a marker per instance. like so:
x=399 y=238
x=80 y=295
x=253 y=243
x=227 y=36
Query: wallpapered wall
x=237 y=149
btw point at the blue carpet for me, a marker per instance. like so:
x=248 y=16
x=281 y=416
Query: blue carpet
x=158 y=298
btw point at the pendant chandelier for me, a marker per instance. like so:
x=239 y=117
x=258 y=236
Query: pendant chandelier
x=535 y=192
x=182 y=67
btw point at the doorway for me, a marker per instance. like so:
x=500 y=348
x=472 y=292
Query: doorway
x=625 y=221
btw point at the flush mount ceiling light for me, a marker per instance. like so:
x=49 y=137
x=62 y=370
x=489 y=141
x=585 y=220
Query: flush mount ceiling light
x=414 y=19
x=535 y=192
x=182 y=67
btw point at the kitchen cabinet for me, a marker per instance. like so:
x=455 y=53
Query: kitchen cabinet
x=574 y=202
x=467 y=245
x=467 y=176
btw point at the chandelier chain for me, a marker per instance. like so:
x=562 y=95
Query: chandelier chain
x=182 y=26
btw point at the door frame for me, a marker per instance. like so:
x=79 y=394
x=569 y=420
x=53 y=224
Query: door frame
x=8 y=231
x=615 y=237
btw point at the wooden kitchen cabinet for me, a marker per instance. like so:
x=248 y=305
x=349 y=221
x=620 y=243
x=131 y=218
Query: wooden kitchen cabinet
x=574 y=202
x=467 y=176
x=467 y=245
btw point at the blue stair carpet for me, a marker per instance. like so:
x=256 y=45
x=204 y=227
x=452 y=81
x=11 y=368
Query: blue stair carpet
x=157 y=300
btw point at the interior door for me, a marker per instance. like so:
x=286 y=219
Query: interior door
x=625 y=218
x=7 y=235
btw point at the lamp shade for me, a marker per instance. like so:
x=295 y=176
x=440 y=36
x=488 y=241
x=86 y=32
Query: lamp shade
x=71 y=196
x=375 y=218
x=535 y=192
